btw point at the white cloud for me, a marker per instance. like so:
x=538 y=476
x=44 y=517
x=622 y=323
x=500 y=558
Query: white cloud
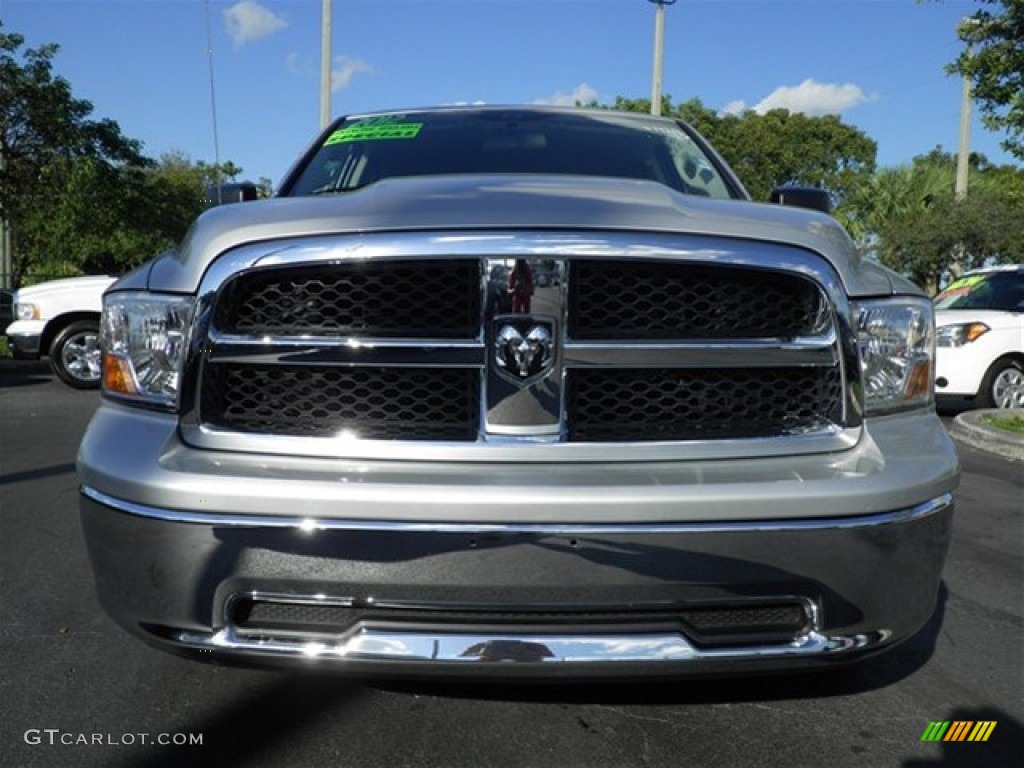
x=582 y=93
x=813 y=98
x=298 y=65
x=344 y=69
x=248 y=21
x=737 y=107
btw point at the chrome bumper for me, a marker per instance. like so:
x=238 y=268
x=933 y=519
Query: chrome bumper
x=24 y=346
x=453 y=650
x=170 y=577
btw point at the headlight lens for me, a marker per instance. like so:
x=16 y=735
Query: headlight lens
x=27 y=311
x=897 y=352
x=958 y=335
x=144 y=337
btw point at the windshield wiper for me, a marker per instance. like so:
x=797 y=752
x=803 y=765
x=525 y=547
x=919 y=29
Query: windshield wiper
x=330 y=189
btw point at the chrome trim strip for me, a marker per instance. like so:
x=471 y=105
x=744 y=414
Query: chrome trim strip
x=311 y=525
x=735 y=354
x=393 y=353
x=363 y=643
x=494 y=448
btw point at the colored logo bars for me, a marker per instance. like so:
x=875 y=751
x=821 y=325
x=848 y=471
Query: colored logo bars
x=959 y=730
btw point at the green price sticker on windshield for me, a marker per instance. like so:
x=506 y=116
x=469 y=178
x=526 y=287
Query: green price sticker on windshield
x=374 y=132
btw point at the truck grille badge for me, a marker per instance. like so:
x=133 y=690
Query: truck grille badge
x=524 y=348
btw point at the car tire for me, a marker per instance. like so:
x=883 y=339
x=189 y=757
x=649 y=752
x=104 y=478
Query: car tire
x=75 y=354
x=1003 y=385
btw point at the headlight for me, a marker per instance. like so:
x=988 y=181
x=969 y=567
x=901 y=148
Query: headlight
x=897 y=352
x=27 y=311
x=958 y=335
x=144 y=337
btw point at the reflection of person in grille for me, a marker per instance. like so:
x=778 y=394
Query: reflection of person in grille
x=520 y=285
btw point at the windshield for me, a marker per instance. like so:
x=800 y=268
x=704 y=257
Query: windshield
x=363 y=150
x=992 y=290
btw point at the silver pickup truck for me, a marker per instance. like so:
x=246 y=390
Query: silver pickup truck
x=535 y=387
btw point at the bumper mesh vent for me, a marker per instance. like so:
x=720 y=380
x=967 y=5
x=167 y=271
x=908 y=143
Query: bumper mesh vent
x=371 y=403
x=707 y=625
x=652 y=300
x=720 y=404
x=437 y=299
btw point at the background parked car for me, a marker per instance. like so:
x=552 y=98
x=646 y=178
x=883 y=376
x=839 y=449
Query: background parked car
x=980 y=355
x=6 y=309
x=61 y=319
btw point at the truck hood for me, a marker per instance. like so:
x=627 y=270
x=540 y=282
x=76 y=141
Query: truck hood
x=510 y=203
x=88 y=286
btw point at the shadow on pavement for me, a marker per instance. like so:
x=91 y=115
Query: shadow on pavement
x=20 y=373
x=37 y=474
x=248 y=728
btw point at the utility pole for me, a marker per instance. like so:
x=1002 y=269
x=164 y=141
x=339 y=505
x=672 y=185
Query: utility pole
x=325 y=65
x=213 y=110
x=6 y=258
x=964 y=153
x=659 y=53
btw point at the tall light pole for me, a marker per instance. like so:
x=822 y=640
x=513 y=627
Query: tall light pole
x=6 y=270
x=964 y=153
x=325 y=65
x=213 y=110
x=659 y=53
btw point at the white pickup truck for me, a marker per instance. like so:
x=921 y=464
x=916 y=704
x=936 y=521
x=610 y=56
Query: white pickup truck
x=61 y=318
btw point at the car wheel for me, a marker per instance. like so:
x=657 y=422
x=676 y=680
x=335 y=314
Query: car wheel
x=1003 y=386
x=75 y=355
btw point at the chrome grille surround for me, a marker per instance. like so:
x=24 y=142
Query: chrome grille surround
x=529 y=421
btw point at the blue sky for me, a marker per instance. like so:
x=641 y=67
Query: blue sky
x=877 y=63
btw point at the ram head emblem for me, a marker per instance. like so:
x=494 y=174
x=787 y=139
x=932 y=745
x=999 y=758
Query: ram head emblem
x=524 y=357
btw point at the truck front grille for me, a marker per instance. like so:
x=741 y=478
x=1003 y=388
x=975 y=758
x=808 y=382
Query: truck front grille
x=440 y=299
x=621 y=350
x=365 y=403
x=626 y=300
x=725 y=404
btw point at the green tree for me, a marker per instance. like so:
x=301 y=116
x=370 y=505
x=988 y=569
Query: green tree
x=782 y=147
x=993 y=60
x=778 y=147
x=890 y=195
x=44 y=131
x=265 y=185
x=108 y=219
x=909 y=219
x=953 y=235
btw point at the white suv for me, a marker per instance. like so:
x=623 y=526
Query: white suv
x=980 y=355
x=61 y=318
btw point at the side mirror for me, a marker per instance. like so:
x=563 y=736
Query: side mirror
x=815 y=198
x=241 y=192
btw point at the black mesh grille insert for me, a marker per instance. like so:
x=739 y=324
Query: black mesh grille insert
x=435 y=299
x=374 y=403
x=720 y=404
x=712 y=625
x=653 y=300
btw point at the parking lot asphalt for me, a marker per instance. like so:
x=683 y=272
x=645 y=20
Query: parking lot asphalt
x=67 y=672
